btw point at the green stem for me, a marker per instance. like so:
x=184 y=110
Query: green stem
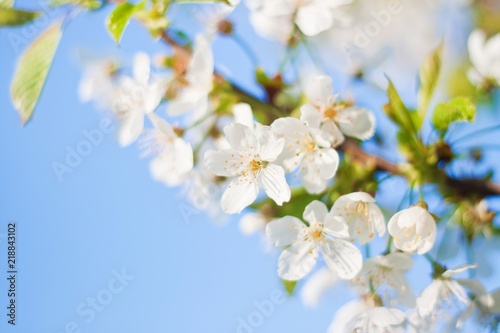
x=469 y=253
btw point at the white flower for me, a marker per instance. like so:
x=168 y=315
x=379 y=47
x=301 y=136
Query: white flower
x=387 y=270
x=482 y=303
x=413 y=229
x=275 y=19
x=307 y=146
x=352 y=121
x=326 y=233
x=250 y=162
x=485 y=57
x=252 y=222
x=317 y=285
x=134 y=98
x=194 y=96
x=440 y=290
x=363 y=216
x=96 y=84
x=174 y=156
x=360 y=317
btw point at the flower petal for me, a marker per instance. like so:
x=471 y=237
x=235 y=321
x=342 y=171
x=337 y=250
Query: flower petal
x=284 y=231
x=240 y=137
x=238 y=195
x=356 y=122
x=243 y=114
x=272 y=180
x=315 y=212
x=342 y=257
x=320 y=90
x=130 y=128
x=226 y=163
x=316 y=286
x=297 y=261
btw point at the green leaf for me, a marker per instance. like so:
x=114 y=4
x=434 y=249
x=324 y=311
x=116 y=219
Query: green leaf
x=398 y=112
x=429 y=74
x=119 y=18
x=32 y=70
x=6 y=3
x=289 y=286
x=10 y=17
x=458 y=109
x=87 y=4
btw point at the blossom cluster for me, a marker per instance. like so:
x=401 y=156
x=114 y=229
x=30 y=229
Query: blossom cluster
x=202 y=142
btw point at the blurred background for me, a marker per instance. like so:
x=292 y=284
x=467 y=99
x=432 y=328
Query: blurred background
x=181 y=271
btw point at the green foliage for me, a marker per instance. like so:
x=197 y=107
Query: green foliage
x=87 y=4
x=119 y=18
x=10 y=17
x=429 y=74
x=6 y=3
x=398 y=112
x=32 y=70
x=458 y=109
x=289 y=286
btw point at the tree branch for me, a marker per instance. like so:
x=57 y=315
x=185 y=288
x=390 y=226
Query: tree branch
x=462 y=187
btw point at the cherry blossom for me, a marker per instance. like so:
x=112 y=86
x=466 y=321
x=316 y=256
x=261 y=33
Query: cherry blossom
x=325 y=233
x=485 y=57
x=363 y=216
x=250 y=164
x=413 y=229
x=307 y=146
x=352 y=121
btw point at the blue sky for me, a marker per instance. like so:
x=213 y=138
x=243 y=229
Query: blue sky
x=108 y=216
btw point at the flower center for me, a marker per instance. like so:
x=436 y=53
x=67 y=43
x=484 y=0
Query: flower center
x=255 y=165
x=330 y=113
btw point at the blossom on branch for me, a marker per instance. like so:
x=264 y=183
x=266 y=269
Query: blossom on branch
x=325 y=233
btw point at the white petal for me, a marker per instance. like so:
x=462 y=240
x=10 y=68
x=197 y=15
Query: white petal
x=317 y=167
x=252 y=223
x=243 y=114
x=384 y=317
x=342 y=257
x=226 y=163
x=429 y=297
x=162 y=125
x=284 y=231
x=316 y=286
x=344 y=316
x=315 y=212
x=356 y=122
x=475 y=45
x=335 y=135
x=297 y=261
x=320 y=90
x=241 y=137
x=270 y=145
x=272 y=180
x=313 y=19
x=130 y=128
x=201 y=66
x=336 y=226
x=398 y=260
x=173 y=164
x=141 y=68
x=310 y=115
x=238 y=195
x=453 y=271
x=360 y=196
